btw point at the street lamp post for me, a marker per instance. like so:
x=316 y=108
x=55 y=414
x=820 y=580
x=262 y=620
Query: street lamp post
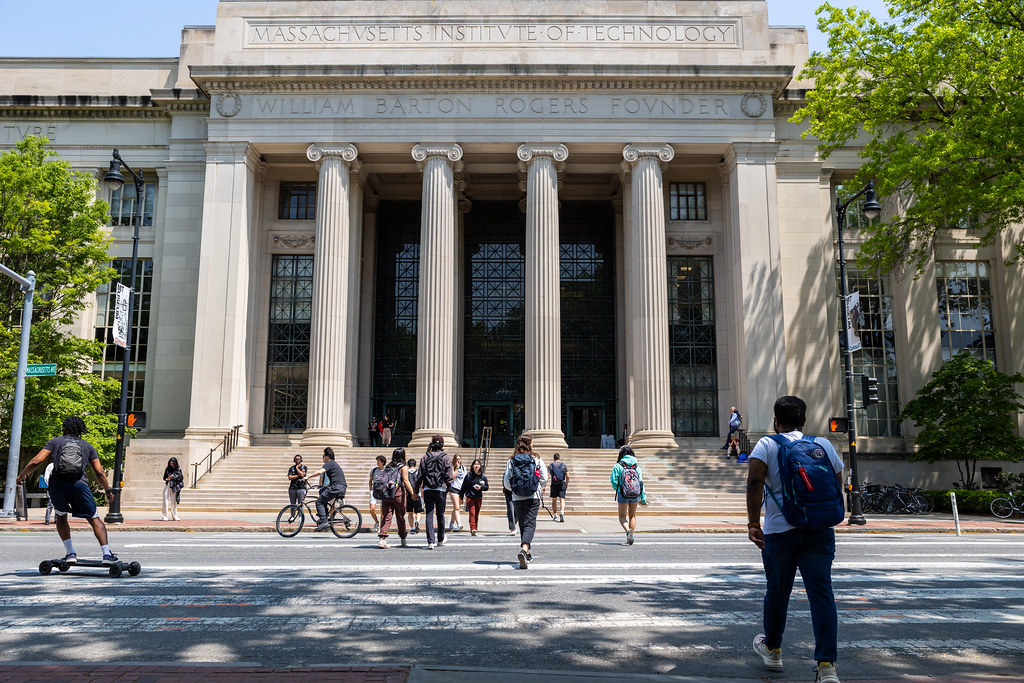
x=115 y=181
x=871 y=210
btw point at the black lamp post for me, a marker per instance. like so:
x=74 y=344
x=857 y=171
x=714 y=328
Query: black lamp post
x=115 y=181
x=871 y=210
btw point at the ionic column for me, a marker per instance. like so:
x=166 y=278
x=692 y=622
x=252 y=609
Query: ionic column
x=647 y=298
x=329 y=413
x=435 y=376
x=543 y=400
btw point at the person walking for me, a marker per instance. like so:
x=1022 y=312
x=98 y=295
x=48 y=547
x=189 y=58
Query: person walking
x=297 y=481
x=785 y=547
x=69 y=485
x=525 y=475
x=174 y=481
x=436 y=477
x=414 y=504
x=559 y=483
x=395 y=507
x=44 y=483
x=374 y=431
x=473 y=487
x=387 y=427
x=382 y=461
x=629 y=490
x=735 y=420
x=455 y=493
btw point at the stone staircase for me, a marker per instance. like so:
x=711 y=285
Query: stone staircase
x=697 y=480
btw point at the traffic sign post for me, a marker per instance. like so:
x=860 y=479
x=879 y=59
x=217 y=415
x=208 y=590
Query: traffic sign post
x=41 y=370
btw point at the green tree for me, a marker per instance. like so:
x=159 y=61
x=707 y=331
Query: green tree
x=967 y=412
x=51 y=223
x=934 y=95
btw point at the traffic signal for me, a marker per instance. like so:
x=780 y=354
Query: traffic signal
x=869 y=390
x=135 y=419
x=838 y=425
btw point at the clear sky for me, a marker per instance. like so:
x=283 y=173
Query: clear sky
x=152 y=28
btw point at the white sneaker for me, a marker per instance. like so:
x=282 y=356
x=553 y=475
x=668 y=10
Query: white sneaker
x=443 y=541
x=472 y=532
x=176 y=518
x=164 y=518
x=771 y=658
x=383 y=544
x=430 y=546
x=376 y=528
x=511 y=532
x=826 y=673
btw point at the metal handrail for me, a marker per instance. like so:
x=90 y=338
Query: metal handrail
x=226 y=445
x=485 y=446
x=744 y=441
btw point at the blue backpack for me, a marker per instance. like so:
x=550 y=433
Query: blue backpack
x=524 y=477
x=811 y=495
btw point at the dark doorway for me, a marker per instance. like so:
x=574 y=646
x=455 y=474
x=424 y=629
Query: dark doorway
x=586 y=424
x=499 y=417
x=403 y=416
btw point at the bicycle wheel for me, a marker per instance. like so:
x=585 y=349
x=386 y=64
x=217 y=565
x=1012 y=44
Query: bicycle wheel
x=346 y=521
x=927 y=504
x=290 y=520
x=915 y=504
x=1001 y=507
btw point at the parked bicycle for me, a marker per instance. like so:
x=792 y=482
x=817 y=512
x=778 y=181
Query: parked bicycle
x=1004 y=507
x=344 y=520
x=892 y=500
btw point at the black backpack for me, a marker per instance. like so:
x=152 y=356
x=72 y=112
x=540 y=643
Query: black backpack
x=385 y=482
x=433 y=471
x=69 y=462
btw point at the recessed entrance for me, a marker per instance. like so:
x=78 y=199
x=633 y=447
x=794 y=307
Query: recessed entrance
x=497 y=416
x=586 y=424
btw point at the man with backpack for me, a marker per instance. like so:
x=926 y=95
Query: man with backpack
x=802 y=477
x=435 y=478
x=559 y=482
x=735 y=420
x=69 y=484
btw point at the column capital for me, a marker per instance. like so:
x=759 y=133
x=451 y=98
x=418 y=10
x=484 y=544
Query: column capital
x=529 y=151
x=633 y=152
x=346 y=151
x=423 y=151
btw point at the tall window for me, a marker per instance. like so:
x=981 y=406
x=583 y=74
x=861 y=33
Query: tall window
x=965 y=309
x=113 y=355
x=691 y=345
x=297 y=201
x=122 y=204
x=291 y=304
x=687 y=202
x=877 y=357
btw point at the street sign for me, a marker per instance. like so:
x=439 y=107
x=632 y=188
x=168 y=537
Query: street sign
x=120 y=329
x=41 y=370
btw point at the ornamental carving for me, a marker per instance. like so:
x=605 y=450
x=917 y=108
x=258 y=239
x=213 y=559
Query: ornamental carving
x=632 y=153
x=294 y=241
x=688 y=243
x=422 y=151
x=527 y=152
x=229 y=104
x=346 y=151
x=753 y=105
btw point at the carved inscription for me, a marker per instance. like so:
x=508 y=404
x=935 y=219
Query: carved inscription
x=20 y=131
x=669 y=33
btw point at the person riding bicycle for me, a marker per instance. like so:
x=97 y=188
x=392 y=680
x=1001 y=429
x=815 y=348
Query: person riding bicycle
x=333 y=487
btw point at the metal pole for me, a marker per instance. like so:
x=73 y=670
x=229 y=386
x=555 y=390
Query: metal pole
x=856 y=515
x=28 y=285
x=114 y=515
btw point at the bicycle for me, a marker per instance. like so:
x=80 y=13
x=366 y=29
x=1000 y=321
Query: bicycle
x=1004 y=507
x=344 y=520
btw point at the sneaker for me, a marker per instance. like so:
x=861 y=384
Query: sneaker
x=430 y=546
x=771 y=658
x=457 y=527
x=109 y=558
x=321 y=526
x=511 y=532
x=404 y=544
x=629 y=537
x=472 y=532
x=176 y=518
x=561 y=518
x=70 y=558
x=826 y=673
x=376 y=528
x=382 y=543
x=529 y=558
x=443 y=541
x=417 y=529
x=164 y=518
x=523 y=559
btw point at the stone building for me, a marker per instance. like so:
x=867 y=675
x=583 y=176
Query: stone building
x=564 y=218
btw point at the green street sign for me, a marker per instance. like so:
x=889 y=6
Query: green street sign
x=41 y=370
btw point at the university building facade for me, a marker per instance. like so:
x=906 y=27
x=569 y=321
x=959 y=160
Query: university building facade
x=568 y=219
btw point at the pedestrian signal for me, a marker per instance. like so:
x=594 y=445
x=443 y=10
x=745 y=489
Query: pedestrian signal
x=136 y=420
x=838 y=425
x=869 y=390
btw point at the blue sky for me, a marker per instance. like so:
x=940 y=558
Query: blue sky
x=152 y=28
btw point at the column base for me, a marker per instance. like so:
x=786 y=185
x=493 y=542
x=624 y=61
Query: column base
x=421 y=439
x=327 y=437
x=652 y=438
x=547 y=439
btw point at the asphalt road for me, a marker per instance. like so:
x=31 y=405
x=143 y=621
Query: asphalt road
x=675 y=603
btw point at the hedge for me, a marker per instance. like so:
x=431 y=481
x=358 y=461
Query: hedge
x=966 y=501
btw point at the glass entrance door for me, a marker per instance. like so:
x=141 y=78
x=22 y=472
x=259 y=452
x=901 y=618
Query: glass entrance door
x=403 y=416
x=585 y=425
x=497 y=416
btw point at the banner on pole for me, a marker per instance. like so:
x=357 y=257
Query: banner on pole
x=853 y=342
x=120 y=330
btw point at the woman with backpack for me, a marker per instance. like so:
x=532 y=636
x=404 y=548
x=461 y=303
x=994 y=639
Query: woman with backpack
x=455 y=495
x=629 y=490
x=473 y=487
x=525 y=475
x=174 y=481
x=435 y=478
x=396 y=506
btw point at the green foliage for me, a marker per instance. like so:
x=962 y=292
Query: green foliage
x=1010 y=482
x=51 y=223
x=967 y=412
x=966 y=501
x=934 y=95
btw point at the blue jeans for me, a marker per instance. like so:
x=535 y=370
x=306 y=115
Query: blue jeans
x=812 y=552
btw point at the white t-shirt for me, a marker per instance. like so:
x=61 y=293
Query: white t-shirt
x=767 y=451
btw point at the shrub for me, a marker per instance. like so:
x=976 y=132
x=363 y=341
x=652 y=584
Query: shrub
x=966 y=501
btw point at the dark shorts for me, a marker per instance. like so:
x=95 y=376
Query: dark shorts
x=558 y=490
x=73 y=498
x=413 y=505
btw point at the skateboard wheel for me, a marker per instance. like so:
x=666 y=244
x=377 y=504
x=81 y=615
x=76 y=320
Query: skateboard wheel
x=45 y=567
x=63 y=567
x=115 y=570
x=134 y=568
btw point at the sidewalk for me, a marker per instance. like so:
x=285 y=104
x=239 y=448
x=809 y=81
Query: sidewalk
x=149 y=520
